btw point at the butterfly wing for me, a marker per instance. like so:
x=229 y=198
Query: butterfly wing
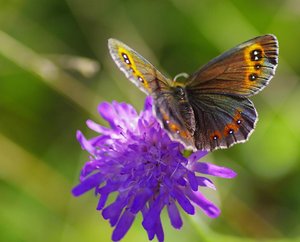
x=136 y=68
x=242 y=71
x=217 y=92
x=169 y=106
x=176 y=115
x=221 y=120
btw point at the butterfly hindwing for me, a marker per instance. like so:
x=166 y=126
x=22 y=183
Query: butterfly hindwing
x=222 y=120
x=136 y=68
x=243 y=70
x=176 y=115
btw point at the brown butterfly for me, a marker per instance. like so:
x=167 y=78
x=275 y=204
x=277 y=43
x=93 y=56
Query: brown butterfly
x=211 y=109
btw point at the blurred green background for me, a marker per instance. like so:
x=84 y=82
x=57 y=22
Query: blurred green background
x=55 y=69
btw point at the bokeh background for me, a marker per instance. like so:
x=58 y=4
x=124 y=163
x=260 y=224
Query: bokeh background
x=54 y=71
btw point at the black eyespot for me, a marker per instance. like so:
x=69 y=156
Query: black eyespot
x=252 y=77
x=256 y=55
x=126 y=59
x=216 y=137
x=257 y=67
x=140 y=79
x=239 y=121
x=230 y=131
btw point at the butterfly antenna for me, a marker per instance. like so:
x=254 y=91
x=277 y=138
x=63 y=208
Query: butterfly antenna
x=185 y=75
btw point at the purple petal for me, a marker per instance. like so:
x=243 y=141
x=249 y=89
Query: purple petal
x=207 y=206
x=89 y=167
x=183 y=202
x=153 y=214
x=88 y=184
x=174 y=216
x=85 y=144
x=124 y=111
x=113 y=212
x=150 y=231
x=148 y=103
x=97 y=127
x=108 y=113
x=197 y=155
x=205 y=182
x=159 y=231
x=140 y=200
x=181 y=181
x=214 y=170
x=102 y=201
x=193 y=181
x=123 y=225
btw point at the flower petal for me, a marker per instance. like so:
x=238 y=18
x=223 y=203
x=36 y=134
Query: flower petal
x=207 y=206
x=113 y=211
x=140 y=200
x=123 y=225
x=184 y=202
x=193 y=180
x=88 y=184
x=197 y=155
x=102 y=201
x=148 y=104
x=174 y=215
x=97 y=127
x=159 y=231
x=153 y=214
x=214 y=170
x=85 y=144
x=108 y=113
x=205 y=182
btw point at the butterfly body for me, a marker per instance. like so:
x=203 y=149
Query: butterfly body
x=211 y=109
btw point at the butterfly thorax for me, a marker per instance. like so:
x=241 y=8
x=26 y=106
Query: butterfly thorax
x=180 y=93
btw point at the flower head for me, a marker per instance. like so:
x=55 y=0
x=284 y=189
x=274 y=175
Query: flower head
x=136 y=160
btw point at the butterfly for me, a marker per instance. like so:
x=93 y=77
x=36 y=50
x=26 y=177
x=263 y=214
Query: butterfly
x=210 y=109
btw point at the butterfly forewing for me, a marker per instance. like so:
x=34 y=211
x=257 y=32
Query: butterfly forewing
x=136 y=68
x=242 y=71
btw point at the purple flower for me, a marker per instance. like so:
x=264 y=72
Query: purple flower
x=137 y=161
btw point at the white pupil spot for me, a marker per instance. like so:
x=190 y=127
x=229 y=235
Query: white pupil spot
x=167 y=121
x=239 y=122
x=126 y=59
x=231 y=131
x=255 y=52
x=140 y=79
x=177 y=132
x=215 y=137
